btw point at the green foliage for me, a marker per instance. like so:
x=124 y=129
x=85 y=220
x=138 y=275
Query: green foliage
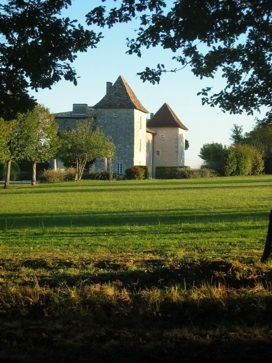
x=84 y=144
x=166 y=172
x=42 y=133
x=183 y=172
x=135 y=172
x=214 y=155
x=202 y=35
x=98 y=175
x=261 y=138
x=51 y=43
x=4 y=139
x=244 y=160
x=15 y=171
x=196 y=173
x=42 y=136
x=70 y=173
x=15 y=141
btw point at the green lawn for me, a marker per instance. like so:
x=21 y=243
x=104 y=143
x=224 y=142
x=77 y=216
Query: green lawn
x=213 y=216
x=136 y=271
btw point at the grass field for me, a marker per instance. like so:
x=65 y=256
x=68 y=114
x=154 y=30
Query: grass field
x=136 y=271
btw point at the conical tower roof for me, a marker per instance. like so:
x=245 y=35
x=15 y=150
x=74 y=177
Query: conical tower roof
x=120 y=95
x=165 y=117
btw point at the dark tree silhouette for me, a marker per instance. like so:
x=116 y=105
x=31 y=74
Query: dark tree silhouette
x=230 y=36
x=268 y=244
x=37 y=47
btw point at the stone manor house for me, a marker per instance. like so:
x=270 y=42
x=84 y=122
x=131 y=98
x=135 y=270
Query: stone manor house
x=159 y=141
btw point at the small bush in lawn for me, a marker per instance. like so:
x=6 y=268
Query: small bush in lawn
x=52 y=176
x=135 y=173
x=70 y=173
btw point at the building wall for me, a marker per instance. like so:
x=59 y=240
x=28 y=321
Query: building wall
x=127 y=127
x=150 y=153
x=169 y=146
x=139 y=138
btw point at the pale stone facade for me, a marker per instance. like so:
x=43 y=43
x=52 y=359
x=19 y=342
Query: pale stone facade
x=157 y=142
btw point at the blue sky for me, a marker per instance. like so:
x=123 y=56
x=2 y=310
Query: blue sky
x=179 y=90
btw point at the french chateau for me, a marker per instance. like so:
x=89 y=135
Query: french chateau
x=157 y=141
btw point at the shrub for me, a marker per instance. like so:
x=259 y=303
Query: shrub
x=197 y=173
x=183 y=172
x=70 y=173
x=167 y=172
x=146 y=169
x=98 y=175
x=52 y=176
x=135 y=172
x=244 y=159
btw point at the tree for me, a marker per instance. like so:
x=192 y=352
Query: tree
x=15 y=138
x=261 y=138
x=37 y=48
x=237 y=136
x=42 y=143
x=230 y=36
x=84 y=144
x=214 y=155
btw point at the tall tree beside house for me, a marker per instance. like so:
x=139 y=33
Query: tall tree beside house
x=43 y=140
x=84 y=144
x=37 y=49
x=232 y=37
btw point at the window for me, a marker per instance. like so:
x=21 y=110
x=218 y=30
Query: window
x=158 y=152
x=140 y=146
x=119 y=169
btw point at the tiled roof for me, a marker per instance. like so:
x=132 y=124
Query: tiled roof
x=165 y=117
x=120 y=95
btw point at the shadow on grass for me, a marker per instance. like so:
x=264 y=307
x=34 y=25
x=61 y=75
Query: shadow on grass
x=233 y=328
x=145 y=217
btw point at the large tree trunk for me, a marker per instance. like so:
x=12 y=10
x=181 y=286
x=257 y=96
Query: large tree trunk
x=7 y=178
x=268 y=244
x=34 y=174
